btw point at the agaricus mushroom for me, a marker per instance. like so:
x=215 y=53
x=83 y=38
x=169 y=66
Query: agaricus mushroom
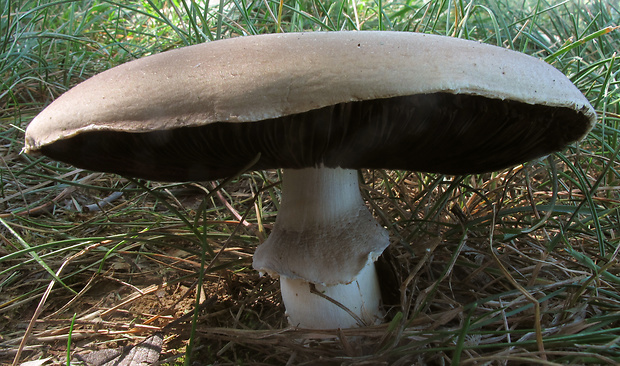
x=321 y=106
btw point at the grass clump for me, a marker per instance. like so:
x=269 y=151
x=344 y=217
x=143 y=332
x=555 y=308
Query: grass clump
x=514 y=267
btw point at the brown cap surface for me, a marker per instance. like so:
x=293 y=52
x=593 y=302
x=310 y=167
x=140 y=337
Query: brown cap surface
x=341 y=99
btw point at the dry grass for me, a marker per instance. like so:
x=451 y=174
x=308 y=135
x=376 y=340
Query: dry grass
x=460 y=289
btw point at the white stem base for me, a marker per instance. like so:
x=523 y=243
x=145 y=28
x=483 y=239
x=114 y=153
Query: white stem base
x=306 y=309
x=325 y=236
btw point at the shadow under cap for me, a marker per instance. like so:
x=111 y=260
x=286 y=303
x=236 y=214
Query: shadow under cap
x=440 y=132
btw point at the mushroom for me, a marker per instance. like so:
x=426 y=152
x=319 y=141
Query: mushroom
x=320 y=106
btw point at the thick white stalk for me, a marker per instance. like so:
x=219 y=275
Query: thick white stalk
x=324 y=240
x=342 y=306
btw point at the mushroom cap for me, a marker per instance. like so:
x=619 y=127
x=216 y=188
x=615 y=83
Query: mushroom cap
x=341 y=99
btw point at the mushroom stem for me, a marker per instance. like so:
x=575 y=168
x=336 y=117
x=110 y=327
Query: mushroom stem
x=323 y=248
x=355 y=304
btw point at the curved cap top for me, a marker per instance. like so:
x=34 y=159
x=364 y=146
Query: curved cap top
x=280 y=97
